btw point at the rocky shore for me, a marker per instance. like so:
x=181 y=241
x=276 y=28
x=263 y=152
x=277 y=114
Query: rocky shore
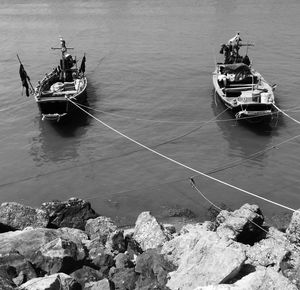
x=67 y=245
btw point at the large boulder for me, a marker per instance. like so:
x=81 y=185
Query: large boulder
x=116 y=242
x=148 y=232
x=98 y=285
x=264 y=279
x=124 y=279
x=43 y=246
x=20 y=269
x=86 y=275
x=98 y=256
x=123 y=260
x=293 y=230
x=203 y=258
x=57 y=281
x=72 y=213
x=269 y=251
x=180 y=246
x=6 y=279
x=15 y=216
x=100 y=227
x=59 y=255
x=153 y=270
x=290 y=266
x=242 y=225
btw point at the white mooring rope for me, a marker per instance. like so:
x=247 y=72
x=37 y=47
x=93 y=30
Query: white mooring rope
x=284 y=113
x=181 y=164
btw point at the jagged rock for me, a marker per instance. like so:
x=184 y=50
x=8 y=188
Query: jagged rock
x=94 y=247
x=241 y=225
x=100 y=227
x=116 y=242
x=72 y=213
x=264 y=279
x=6 y=279
x=31 y=241
x=98 y=285
x=133 y=248
x=123 y=261
x=269 y=251
x=59 y=255
x=148 y=232
x=189 y=235
x=124 y=279
x=99 y=256
x=293 y=230
x=57 y=281
x=15 y=216
x=202 y=258
x=86 y=275
x=170 y=229
x=290 y=266
x=22 y=270
x=153 y=270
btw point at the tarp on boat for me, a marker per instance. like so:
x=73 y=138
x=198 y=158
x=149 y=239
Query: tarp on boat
x=237 y=68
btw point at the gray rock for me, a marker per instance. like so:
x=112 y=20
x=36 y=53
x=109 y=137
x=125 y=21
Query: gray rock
x=59 y=255
x=202 y=258
x=290 y=266
x=6 y=279
x=98 y=285
x=57 y=281
x=20 y=268
x=264 y=279
x=16 y=216
x=123 y=261
x=148 y=232
x=153 y=270
x=99 y=256
x=293 y=230
x=124 y=279
x=72 y=213
x=241 y=225
x=100 y=227
x=178 y=247
x=33 y=243
x=269 y=251
x=86 y=275
x=116 y=242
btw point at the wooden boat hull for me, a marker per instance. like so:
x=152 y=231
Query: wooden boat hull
x=56 y=107
x=252 y=102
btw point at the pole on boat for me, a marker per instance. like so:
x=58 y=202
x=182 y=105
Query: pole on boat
x=24 y=77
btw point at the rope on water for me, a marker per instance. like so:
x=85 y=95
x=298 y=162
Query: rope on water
x=214 y=120
x=181 y=164
x=298 y=122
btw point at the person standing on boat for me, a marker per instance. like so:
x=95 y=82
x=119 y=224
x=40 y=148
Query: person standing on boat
x=234 y=44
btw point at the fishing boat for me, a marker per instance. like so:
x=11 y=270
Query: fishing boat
x=65 y=84
x=241 y=88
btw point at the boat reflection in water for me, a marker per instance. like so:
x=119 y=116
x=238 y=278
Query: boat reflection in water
x=59 y=141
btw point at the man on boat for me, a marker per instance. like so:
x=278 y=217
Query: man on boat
x=234 y=45
x=234 y=41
